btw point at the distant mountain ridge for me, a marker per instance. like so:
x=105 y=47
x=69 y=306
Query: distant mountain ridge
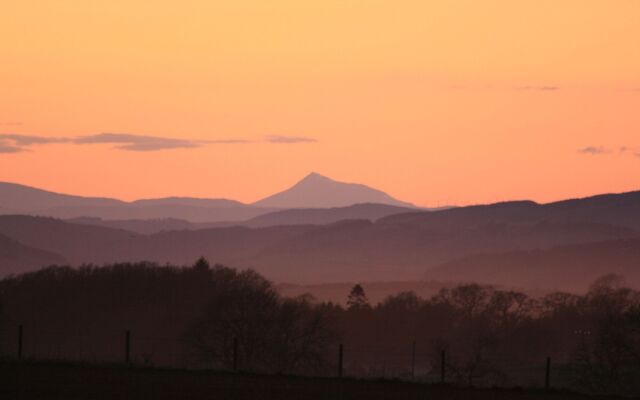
x=295 y=216
x=317 y=191
x=451 y=243
x=314 y=191
x=617 y=209
x=189 y=201
x=565 y=244
x=20 y=199
x=323 y=216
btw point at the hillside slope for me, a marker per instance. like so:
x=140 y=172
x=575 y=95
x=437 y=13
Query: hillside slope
x=571 y=267
x=16 y=257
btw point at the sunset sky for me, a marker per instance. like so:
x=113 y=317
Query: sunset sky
x=434 y=102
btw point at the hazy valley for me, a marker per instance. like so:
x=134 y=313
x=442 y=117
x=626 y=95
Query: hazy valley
x=562 y=245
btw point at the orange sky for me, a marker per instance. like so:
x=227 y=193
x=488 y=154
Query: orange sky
x=431 y=101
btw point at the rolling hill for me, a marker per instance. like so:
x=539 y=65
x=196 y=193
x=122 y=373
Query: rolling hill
x=351 y=250
x=17 y=198
x=616 y=209
x=403 y=246
x=16 y=257
x=20 y=199
x=76 y=243
x=571 y=267
x=302 y=216
x=323 y=216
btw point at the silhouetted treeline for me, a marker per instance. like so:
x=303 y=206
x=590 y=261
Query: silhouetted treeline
x=216 y=317
x=187 y=316
x=489 y=333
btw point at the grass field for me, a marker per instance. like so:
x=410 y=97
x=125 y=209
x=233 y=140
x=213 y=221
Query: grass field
x=43 y=381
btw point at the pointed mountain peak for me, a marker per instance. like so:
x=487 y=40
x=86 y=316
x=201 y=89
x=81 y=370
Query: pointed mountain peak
x=315 y=177
x=318 y=191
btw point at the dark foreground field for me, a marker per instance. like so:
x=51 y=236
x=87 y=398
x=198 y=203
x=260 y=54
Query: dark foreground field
x=67 y=381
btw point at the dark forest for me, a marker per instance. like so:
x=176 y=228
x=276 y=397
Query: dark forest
x=214 y=317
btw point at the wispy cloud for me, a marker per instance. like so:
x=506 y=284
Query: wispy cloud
x=7 y=148
x=602 y=150
x=28 y=140
x=16 y=143
x=594 y=150
x=227 y=141
x=279 y=139
x=543 y=88
x=125 y=141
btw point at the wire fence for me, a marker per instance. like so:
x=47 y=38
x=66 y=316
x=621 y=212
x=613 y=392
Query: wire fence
x=413 y=361
x=421 y=362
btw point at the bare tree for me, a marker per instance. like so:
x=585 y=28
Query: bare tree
x=270 y=334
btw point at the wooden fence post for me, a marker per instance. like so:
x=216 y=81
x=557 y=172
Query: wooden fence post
x=413 y=359
x=20 y=334
x=340 y=358
x=547 y=376
x=442 y=366
x=127 y=347
x=235 y=354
